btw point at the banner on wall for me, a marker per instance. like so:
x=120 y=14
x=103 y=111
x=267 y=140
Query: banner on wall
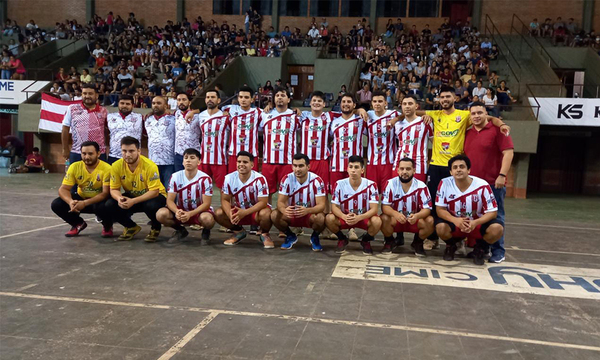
x=14 y=92
x=565 y=111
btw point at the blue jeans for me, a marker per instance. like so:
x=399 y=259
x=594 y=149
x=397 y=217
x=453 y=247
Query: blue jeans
x=6 y=74
x=178 y=162
x=165 y=172
x=499 y=194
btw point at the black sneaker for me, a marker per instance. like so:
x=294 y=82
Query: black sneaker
x=341 y=246
x=366 y=245
x=400 y=239
x=417 y=246
x=479 y=252
x=253 y=230
x=206 y=235
x=449 y=253
x=177 y=236
x=387 y=247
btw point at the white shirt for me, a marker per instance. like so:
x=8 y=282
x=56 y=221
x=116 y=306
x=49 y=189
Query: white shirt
x=473 y=203
x=411 y=202
x=245 y=194
x=190 y=192
x=187 y=135
x=119 y=127
x=161 y=139
x=355 y=201
x=304 y=194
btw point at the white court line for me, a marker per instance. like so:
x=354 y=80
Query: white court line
x=309 y=319
x=40 y=229
x=30 y=194
x=31 y=216
x=553 y=226
x=26 y=287
x=189 y=336
x=552 y=252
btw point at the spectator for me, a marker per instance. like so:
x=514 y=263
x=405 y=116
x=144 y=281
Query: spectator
x=491 y=103
x=504 y=96
x=33 y=164
x=479 y=90
x=15 y=147
x=5 y=66
x=85 y=77
x=534 y=27
x=17 y=68
x=364 y=97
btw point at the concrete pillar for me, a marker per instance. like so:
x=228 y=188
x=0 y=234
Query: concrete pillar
x=180 y=10
x=3 y=11
x=373 y=17
x=588 y=15
x=476 y=18
x=90 y=9
x=521 y=173
x=275 y=15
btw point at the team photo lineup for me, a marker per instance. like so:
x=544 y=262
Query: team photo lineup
x=324 y=178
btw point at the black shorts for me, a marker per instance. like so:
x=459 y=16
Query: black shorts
x=457 y=233
x=32 y=169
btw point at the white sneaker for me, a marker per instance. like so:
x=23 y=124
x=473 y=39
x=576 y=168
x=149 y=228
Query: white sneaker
x=461 y=249
x=327 y=234
x=352 y=235
x=298 y=231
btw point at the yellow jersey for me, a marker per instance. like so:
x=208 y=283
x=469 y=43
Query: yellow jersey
x=145 y=177
x=448 y=134
x=88 y=184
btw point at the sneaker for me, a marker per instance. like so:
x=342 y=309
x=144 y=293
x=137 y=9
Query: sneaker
x=478 y=254
x=341 y=246
x=98 y=220
x=449 y=252
x=152 y=236
x=281 y=234
x=196 y=227
x=206 y=235
x=75 y=230
x=352 y=235
x=236 y=238
x=315 y=242
x=400 y=239
x=290 y=240
x=298 y=231
x=461 y=249
x=387 y=247
x=253 y=230
x=366 y=245
x=129 y=233
x=265 y=239
x=497 y=258
x=224 y=229
x=107 y=233
x=417 y=247
x=178 y=235
x=431 y=244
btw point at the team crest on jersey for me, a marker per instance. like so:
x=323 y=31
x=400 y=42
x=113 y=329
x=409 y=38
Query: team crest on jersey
x=251 y=190
x=475 y=198
x=451 y=197
x=379 y=149
x=314 y=142
x=123 y=177
x=97 y=177
x=141 y=178
x=345 y=153
x=458 y=118
x=445 y=146
x=345 y=196
x=277 y=145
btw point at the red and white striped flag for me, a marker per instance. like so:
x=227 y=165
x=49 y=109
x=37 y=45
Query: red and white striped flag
x=52 y=113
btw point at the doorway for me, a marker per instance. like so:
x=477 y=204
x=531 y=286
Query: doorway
x=302 y=80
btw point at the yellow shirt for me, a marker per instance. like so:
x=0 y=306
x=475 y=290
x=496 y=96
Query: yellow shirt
x=88 y=184
x=448 y=134
x=143 y=179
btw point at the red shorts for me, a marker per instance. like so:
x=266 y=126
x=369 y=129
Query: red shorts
x=300 y=222
x=232 y=164
x=334 y=177
x=274 y=173
x=380 y=174
x=216 y=172
x=249 y=220
x=406 y=227
x=322 y=169
x=363 y=224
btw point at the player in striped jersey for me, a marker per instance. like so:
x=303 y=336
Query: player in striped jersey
x=214 y=133
x=244 y=201
x=406 y=207
x=354 y=204
x=244 y=128
x=300 y=203
x=189 y=195
x=413 y=138
x=279 y=126
x=466 y=208
x=382 y=142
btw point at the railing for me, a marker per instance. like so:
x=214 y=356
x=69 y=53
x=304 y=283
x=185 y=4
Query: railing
x=524 y=34
x=504 y=50
x=58 y=51
x=568 y=90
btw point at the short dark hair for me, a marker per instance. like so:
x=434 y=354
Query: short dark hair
x=445 y=88
x=192 y=151
x=279 y=89
x=406 y=158
x=245 y=153
x=350 y=95
x=411 y=96
x=246 y=89
x=461 y=157
x=36 y=149
x=182 y=93
x=90 y=143
x=358 y=159
x=130 y=140
x=379 y=93
x=215 y=91
x=476 y=103
x=318 y=94
x=300 y=156
x=88 y=86
x=126 y=97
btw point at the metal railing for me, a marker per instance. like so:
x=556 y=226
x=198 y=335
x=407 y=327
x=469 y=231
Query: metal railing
x=568 y=90
x=524 y=34
x=515 y=69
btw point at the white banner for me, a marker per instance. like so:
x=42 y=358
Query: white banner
x=565 y=111
x=14 y=92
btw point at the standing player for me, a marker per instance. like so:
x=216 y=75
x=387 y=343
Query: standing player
x=244 y=201
x=354 y=204
x=280 y=126
x=466 y=208
x=214 y=131
x=187 y=130
x=188 y=199
x=381 y=148
x=121 y=124
x=300 y=203
x=244 y=128
x=160 y=127
x=406 y=207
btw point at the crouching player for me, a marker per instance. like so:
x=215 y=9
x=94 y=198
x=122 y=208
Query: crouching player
x=300 y=203
x=188 y=199
x=406 y=207
x=466 y=208
x=354 y=204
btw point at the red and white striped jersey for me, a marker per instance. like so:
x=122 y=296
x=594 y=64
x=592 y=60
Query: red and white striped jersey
x=245 y=195
x=305 y=194
x=187 y=135
x=411 y=202
x=347 y=141
x=472 y=204
x=280 y=136
x=413 y=142
x=244 y=129
x=190 y=192
x=214 y=130
x=314 y=132
x=382 y=141
x=119 y=127
x=355 y=201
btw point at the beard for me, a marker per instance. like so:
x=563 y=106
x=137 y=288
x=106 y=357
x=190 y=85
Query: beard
x=403 y=180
